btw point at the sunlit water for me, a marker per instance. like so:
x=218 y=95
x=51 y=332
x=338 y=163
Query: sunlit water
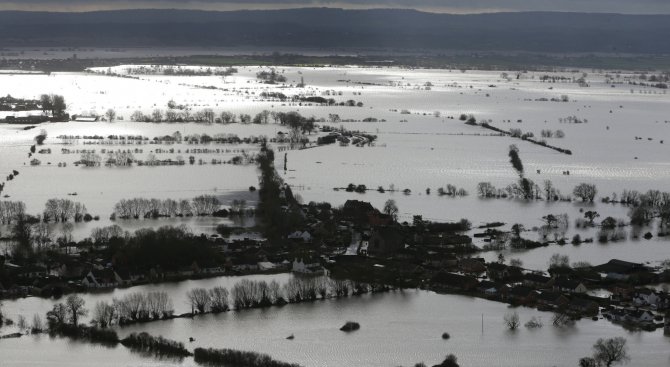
x=423 y=152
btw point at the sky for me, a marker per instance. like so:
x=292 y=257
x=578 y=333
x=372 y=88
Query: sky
x=441 y=6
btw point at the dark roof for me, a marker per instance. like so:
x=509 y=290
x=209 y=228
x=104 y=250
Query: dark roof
x=497 y=266
x=536 y=278
x=486 y=284
x=583 y=303
x=620 y=267
x=454 y=280
x=522 y=291
x=550 y=297
x=107 y=274
x=566 y=283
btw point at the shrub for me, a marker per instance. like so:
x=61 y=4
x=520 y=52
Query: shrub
x=230 y=357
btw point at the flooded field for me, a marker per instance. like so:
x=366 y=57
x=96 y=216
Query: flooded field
x=618 y=133
x=397 y=328
x=421 y=141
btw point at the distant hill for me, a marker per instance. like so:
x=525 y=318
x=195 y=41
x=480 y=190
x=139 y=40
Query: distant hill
x=399 y=30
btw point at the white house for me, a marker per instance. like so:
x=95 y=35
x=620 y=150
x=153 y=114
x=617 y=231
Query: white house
x=645 y=297
x=309 y=268
x=265 y=265
x=640 y=316
x=299 y=235
x=105 y=278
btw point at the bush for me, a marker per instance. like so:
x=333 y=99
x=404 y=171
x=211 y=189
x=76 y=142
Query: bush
x=230 y=357
x=350 y=326
x=39 y=139
x=156 y=345
x=91 y=334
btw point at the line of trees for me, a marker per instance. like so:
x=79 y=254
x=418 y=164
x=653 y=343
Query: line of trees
x=133 y=307
x=270 y=77
x=53 y=103
x=158 y=346
x=527 y=189
x=207 y=116
x=10 y=210
x=644 y=206
x=230 y=357
x=155 y=208
x=451 y=190
x=247 y=294
x=63 y=210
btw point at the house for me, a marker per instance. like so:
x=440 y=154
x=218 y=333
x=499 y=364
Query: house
x=621 y=292
x=616 y=314
x=364 y=244
x=300 y=236
x=489 y=288
x=128 y=277
x=309 y=267
x=523 y=295
x=438 y=260
x=32 y=271
x=455 y=281
x=357 y=211
x=497 y=271
x=375 y=218
x=385 y=240
x=619 y=269
x=584 y=306
x=105 y=278
x=635 y=316
x=85 y=118
x=551 y=300
x=245 y=265
x=536 y=280
x=33 y=119
x=646 y=297
x=639 y=316
x=472 y=265
x=265 y=265
x=562 y=284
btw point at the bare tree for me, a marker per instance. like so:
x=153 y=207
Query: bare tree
x=110 y=115
x=611 y=351
x=58 y=314
x=219 y=299
x=511 y=320
x=37 y=325
x=561 y=318
x=391 y=209
x=199 y=299
x=103 y=314
x=586 y=192
x=74 y=305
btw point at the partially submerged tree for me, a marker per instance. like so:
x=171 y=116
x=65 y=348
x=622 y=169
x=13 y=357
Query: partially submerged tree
x=450 y=361
x=586 y=192
x=110 y=115
x=74 y=306
x=591 y=215
x=41 y=137
x=511 y=320
x=611 y=351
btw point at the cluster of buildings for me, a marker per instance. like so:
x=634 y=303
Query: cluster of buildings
x=611 y=290
x=359 y=243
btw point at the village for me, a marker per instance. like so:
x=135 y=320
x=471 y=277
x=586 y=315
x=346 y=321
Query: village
x=359 y=243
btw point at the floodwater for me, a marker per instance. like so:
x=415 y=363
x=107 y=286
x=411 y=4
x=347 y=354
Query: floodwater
x=426 y=147
x=397 y=328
